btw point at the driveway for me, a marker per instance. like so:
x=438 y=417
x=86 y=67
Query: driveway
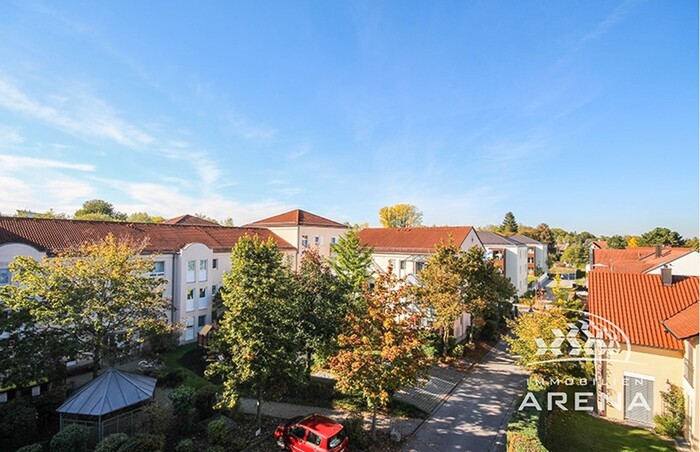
x=474 y=417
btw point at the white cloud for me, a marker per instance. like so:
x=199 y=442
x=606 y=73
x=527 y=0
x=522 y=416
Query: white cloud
x=87 y=116
x=14 y=162
x=9 y=137
x=244 y=128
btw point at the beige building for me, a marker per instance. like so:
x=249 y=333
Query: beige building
x=658 y=314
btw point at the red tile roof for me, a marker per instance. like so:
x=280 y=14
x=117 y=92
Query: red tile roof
x=634 y=260
x=685 y=323
x=600 y=244
x=297 y=218
x=190 y=219
x=412 y=240
x=638 y=303
x=54 y=235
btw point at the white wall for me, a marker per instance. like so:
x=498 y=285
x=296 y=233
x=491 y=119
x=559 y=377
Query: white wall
x=688 y=265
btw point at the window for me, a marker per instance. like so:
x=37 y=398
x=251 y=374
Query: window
x=419 y=266
x=337 y=439
x=298 y=432
x=189 y=306
x=158 y=268
x=213 y=289
x=36 y=391
x=191 y=268
x=189 y=329
x=334 y=240
x=202 y=298
x=214 y=263
x=318 y=240
x=304 y=241
x=201 y=321
x=402 y=265
x=3 y=397
x=203 y=270
x=313 y=439
x=4 y=276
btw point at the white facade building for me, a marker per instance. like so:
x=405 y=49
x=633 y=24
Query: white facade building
x=510 y=256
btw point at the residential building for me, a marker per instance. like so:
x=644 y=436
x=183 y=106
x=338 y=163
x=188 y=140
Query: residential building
x=649 y=260
x=657 y=315
x=536 y=253
x=408 y=249
x=509 y=255
x=191 y=257
x=304 y=230
x=598 y=244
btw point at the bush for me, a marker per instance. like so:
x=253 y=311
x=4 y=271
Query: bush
x=17 y=423
x=112 y=443
x=204 y=401
x=182 y=399
x=670 y=423
x=458 y=351
x=170 y=378
x=73 y=438
x=186 y=445
x=355 y=429
x=36 y=447
x=143 y=443
x=526 y=427
x=218 y=432
x=159 y=418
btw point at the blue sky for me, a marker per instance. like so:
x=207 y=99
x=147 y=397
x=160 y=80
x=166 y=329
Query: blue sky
x=580 y=114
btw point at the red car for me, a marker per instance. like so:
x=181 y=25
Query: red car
x=313 y=433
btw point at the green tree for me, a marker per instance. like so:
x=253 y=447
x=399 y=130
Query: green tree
x=509 y=225
x=660 y=236
x=566 y=300
x=228 y=222
x=322 y=303
x=443 y=288
x=692 y=243
x=98 y=209
x=98 y=297
x=257 y=338
x=351 y=261
x=205 y=217
x=576 y=254
x=544 y=234
x=48 y=214
x=617 y=242
x=400 y=216
x=381 y=349
x=143 y=217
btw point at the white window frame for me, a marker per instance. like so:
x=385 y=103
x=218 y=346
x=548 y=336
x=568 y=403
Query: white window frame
x=203 y=272
x=305 y=241
x=189 y=329
x=189 y=302
x=155 y=272
x=191 y=271
x=202 y=303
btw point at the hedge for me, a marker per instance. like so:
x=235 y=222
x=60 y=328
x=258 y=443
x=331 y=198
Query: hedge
x=527 y=427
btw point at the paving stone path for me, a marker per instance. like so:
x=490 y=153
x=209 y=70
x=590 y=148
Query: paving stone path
x=442 y=380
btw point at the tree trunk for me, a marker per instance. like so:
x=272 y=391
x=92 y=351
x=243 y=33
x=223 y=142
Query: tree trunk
x=373 y=429
x=258 y=410
x=445 y=342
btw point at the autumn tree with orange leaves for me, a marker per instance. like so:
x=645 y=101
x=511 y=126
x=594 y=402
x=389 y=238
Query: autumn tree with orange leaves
x=380 y=346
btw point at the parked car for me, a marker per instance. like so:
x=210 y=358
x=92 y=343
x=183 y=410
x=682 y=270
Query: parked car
x=313 y=433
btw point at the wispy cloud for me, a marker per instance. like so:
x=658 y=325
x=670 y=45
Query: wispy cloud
x=14 y=162
x=87 y=116
x=246 y=129
x=9 y=137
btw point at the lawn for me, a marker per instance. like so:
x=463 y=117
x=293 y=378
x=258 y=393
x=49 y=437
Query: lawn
x=188 y=360
x=575 y=431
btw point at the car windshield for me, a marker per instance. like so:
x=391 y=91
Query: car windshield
x=337 y=439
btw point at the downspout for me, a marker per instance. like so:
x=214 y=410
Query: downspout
x=172 y=289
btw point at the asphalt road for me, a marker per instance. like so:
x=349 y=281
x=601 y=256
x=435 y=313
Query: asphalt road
x=474 y=417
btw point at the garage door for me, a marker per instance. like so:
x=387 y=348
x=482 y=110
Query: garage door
x=639 y=399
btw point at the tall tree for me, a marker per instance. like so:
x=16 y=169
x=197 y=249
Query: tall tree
x=99 y=298
x=400 y=216
x=98 y=209
x=617 y=242
x=256 y=339
x=48 y=214
x=381 y=349
x=692 y=243
x=351 y=261
x=576 y=254
x=205 y=217
x=143 y=217
x=322 y=304
x=443 y=288
x=544 y=234
x=509 y=225
x=661 y=236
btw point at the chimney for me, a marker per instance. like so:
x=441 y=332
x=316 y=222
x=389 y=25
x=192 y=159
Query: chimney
x=657 y=251
x=666 y=277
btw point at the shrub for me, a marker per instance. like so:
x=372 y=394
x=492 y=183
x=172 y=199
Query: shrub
x=218 y=432
x=186 y=445
x=525 y=427
x=36 y=447
x=458 y=351
x=73 y=438
x=17 y=423
x=204 y=401
x=170 y=378
x=182 y=399
x=143 y=443
x=112 y=443
x=670 y=423
x=159 y=418
x=238 y=444
x=355 y=429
